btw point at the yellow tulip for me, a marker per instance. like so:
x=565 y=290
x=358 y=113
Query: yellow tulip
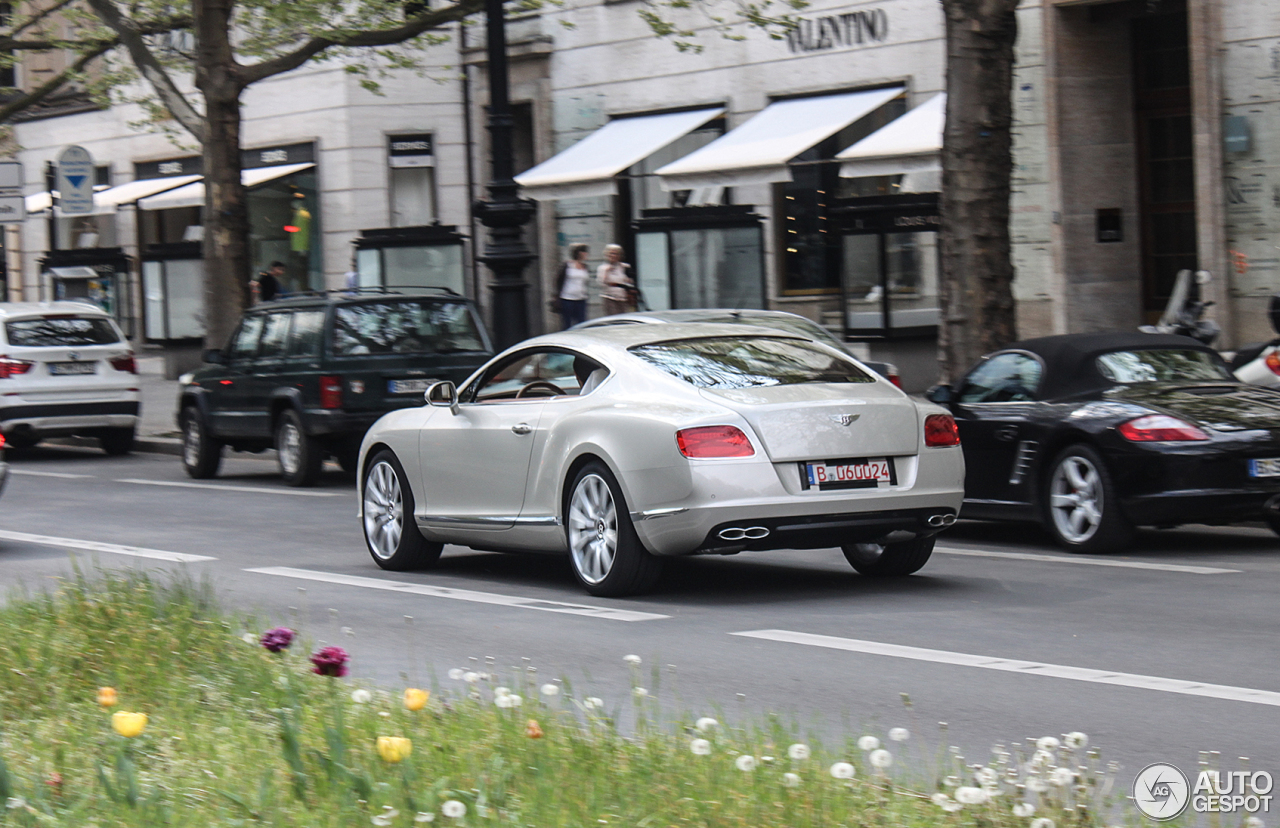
x=394 y=748
x=107 y=696
x=129 y=724
x=416 y=699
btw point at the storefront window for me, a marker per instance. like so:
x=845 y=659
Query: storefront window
x=173 y=295
x=284 y=218
x=709 y=257
x=412 y=196
x=890 y=273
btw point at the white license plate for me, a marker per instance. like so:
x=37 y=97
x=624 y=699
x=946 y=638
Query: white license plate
x=1267 y=467
x=62 y=369
x=413 y=386
x=862 y=473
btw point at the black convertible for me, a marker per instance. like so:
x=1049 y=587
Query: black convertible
x=1094 y=434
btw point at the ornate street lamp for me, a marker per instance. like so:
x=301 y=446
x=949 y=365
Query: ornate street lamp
x=504 y=213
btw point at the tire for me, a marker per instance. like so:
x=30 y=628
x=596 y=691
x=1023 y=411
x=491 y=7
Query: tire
x=604 y=550
x=1082 y=506
x=21 y=441
x=201 y=454
x=889 y=560
x=390 y=533
x=116 y=442
x=300 y=456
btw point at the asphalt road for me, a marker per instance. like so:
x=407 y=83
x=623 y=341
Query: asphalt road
x=1157 y=654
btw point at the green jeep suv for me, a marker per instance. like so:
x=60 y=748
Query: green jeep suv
x=309 y=374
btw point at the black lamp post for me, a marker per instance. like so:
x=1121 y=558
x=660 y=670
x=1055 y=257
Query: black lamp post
x=504 y=213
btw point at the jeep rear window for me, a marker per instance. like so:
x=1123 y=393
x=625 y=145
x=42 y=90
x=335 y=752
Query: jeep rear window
x=404 y=326
x=732 y=362
x=60 y=331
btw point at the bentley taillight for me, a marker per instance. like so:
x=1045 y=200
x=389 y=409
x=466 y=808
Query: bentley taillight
x=940 y=431
x=1160 y=428
x=714 y=441
x=1273 y=362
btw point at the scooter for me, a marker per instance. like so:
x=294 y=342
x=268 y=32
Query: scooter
x=1184 y=312
x=1260 y=364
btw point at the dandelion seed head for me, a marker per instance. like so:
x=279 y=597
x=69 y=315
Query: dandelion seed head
x=986 y=777
x=595 y=702
x=550 y=689
x=880 y=758
x=704 y=724
x=1048 y=743
x=249 y=638
x=456 y=674
x=799 y=751
x=1076 y=740
x=745 y=762
x=940 y=799
x=791 y=780
x=968 y=795
x=453 y=809
x=471 y=677
x=1023 y=809
x=868 y=743
x=424 y=816
x=504 y=702
x=640 y=692
x=1042 y=822
x=1254 y=822
x=842 y=770
x=361 y=696
x=1036 y=784
x=899 y=734
x=384 y=714
x=700 y=747
x=631 y=659
x=1061 y=776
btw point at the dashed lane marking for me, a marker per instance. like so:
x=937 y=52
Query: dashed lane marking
x=219 y=488
x=1026 y=668
x=95 y=546
x=62 y=475
x=607 y=613
x=1083 y=561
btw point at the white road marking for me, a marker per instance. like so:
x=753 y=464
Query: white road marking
x=64 y=475
x=95 y=546
x=218 y=488
x=1083 y=561
x=461 y=594
x=1026 y=668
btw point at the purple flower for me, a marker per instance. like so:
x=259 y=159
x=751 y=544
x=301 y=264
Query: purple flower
x=331 y=661
x=277 y=639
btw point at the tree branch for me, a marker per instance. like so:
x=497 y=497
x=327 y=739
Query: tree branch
x=34 y=97
x=38 y=16
x=130 y=35
x=380 y=37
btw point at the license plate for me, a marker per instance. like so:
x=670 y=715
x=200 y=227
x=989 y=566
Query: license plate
x=1268 y=467
x=858 y=473
x=62 y=369
x=413 y=386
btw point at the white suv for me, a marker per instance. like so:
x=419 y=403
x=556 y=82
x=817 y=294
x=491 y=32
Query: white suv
x=65 y=368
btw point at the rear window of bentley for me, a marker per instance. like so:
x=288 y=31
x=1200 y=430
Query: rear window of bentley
x=60 y=331
x=404 y=327
x=749 y=362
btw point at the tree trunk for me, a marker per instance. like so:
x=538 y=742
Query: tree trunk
x=226 y=217
x=977 y=167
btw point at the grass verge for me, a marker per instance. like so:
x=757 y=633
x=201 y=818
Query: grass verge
x=236 y=735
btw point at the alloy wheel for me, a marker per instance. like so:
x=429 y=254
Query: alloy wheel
x=593 y=529
x=1075 y=499
x=290 y=448
x=383 y=510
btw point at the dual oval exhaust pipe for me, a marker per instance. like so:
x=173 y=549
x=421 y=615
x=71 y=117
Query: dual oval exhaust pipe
x=940 y=520
x=737 y=533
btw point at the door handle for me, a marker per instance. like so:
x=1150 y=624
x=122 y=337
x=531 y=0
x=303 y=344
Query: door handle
x=521 y=428
x=1007 y=433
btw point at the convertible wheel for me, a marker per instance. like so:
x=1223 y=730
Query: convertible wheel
x=1083 y=507
x=300 y=456
x=201 y=454
x=889 y=559
x=389 y=531
x=606 y=553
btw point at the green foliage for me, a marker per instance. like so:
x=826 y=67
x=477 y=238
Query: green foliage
x=239 y=736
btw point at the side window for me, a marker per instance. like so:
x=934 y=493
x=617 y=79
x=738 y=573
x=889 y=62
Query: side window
x=275 y=334
x=1003 y=378
x=308 y=329
x=244 y=345
x=538 y=375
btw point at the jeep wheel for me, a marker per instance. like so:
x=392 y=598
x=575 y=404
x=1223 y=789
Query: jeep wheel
x=201 y=454
x=300 y=456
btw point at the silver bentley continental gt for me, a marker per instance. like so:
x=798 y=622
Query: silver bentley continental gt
x=623 y=445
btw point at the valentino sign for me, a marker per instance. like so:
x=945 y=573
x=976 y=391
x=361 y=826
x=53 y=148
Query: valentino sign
x=815 y=34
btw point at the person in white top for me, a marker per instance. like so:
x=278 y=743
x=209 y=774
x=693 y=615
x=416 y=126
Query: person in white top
x=619 y=288
x=571 y=287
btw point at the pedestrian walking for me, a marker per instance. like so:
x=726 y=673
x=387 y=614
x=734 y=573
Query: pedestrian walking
x=571 y=287
x=267 y=285
x=619 y=290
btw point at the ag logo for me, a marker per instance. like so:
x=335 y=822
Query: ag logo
x=1161 y=791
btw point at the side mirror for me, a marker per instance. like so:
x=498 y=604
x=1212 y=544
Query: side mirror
x=444 y=394
x=214 y=355
x=940 y=394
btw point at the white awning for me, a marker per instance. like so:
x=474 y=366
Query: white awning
x=141 y=188
x=909 y=144
x=588 y=167
x=192 y=195
x=757 y=152
x=39 y=202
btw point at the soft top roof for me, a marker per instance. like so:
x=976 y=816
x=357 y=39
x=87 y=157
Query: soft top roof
x=1070 y=360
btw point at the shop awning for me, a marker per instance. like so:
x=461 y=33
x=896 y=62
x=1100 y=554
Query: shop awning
x=39 y=202
x=134 y=190
x=909 y=144
x=588 y=167
x=192 y=195
x=757 y=152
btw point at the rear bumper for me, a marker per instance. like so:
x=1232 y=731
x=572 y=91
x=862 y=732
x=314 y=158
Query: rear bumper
x=53 y=419
x=322 y=422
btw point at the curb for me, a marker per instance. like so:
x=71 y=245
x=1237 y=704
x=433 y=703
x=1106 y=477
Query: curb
x=144 y=445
